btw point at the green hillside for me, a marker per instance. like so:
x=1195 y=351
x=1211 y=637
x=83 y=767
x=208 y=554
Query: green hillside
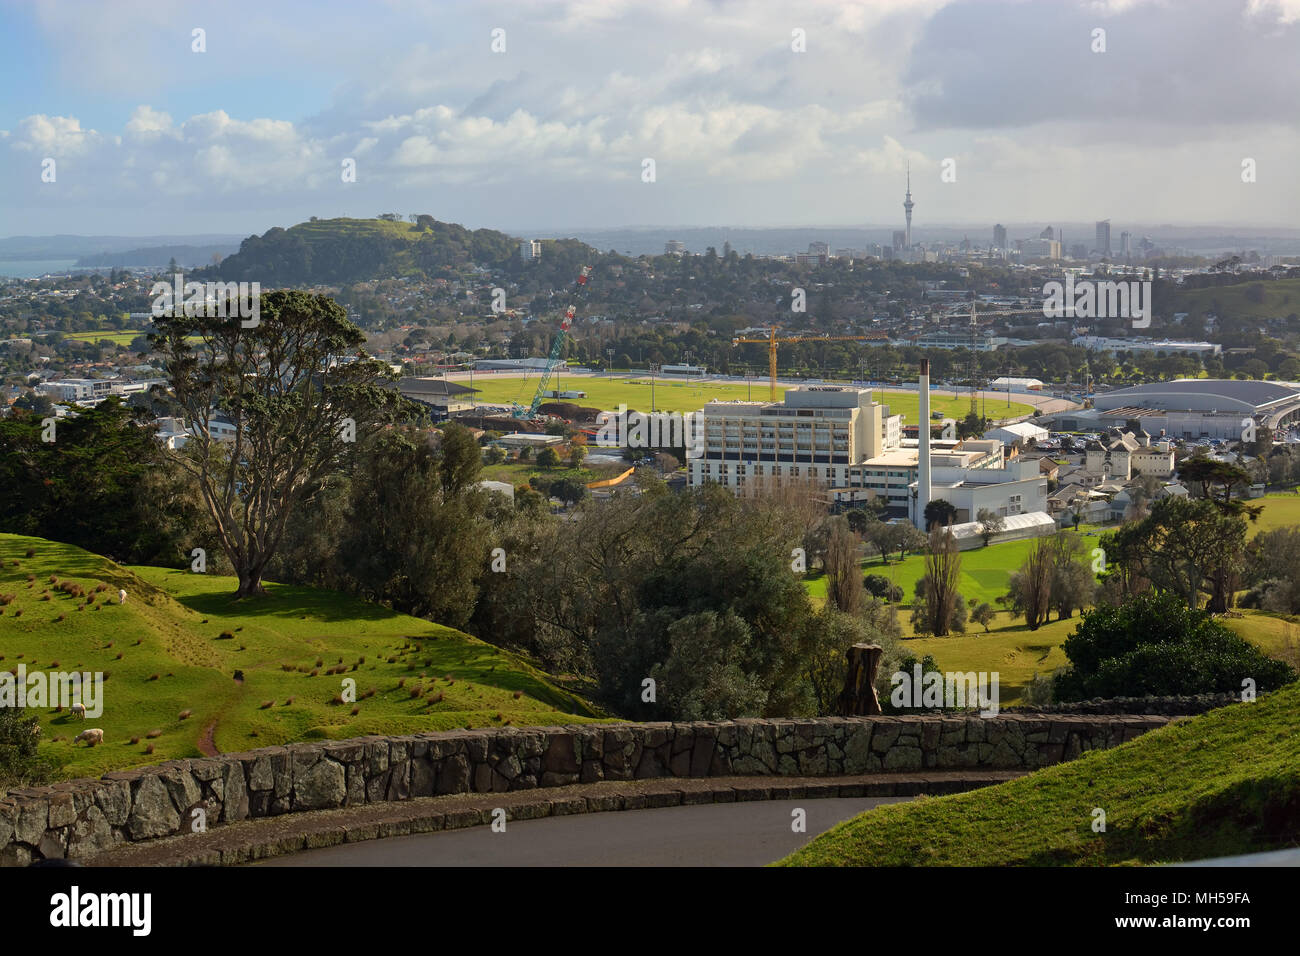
x=1216 y=785
x=1244 y=300
x=178 y=641
x=337 y=251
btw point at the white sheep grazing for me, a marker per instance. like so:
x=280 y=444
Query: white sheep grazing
x=92 y=736
x=78 y=710
x=121 y=596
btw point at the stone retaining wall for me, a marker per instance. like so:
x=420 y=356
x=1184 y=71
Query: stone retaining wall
x=78 y=818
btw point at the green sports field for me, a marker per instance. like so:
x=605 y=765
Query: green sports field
x=675 y=395
x=114 y=338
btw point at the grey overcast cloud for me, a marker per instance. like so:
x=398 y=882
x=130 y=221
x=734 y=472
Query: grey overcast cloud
x=755 y=114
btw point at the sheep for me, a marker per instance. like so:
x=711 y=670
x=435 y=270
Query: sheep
x=79 y=710
x=92 y=736
x=121 y=596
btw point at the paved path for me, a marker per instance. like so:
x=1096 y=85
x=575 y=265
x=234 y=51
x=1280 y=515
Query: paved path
x=733 y=834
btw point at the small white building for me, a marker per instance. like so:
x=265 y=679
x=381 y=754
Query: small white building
x=1032 y=524
x=1010 y=381
x=518 y=440
x=1021 y=433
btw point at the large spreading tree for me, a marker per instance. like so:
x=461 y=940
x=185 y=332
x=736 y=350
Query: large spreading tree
x=296 y=394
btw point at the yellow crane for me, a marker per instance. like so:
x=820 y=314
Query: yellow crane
x=771 y=343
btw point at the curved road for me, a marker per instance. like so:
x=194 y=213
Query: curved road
x=712 y=834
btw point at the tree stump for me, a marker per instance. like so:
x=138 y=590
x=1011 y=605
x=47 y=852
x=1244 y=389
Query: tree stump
x=858 y=699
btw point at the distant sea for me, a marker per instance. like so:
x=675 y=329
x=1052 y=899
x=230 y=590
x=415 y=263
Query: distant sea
x=31 y=268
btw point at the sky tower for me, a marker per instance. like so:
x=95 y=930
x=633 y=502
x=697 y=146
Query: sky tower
x=907 y=209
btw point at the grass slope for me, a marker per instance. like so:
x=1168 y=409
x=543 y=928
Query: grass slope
x=1281 y=298
x=686 y=396
x=172 y=624
x=1224 y=783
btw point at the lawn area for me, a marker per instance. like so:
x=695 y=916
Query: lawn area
x=1216 y=785
x=1280 y=511
x=674 y=395
x=116 y=338
x=518 y=473
x=166 y=651
x=985 y=571
x=1009 y=647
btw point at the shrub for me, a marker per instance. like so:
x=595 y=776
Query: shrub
x=31 y=553
x=1154 y=644
x=21 y=763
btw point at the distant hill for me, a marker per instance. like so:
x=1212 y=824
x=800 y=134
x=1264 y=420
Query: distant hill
x=1253 y=299
x=185 y=256
x=335 y=251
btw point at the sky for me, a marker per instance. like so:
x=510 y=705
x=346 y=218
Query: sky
x=753 y=113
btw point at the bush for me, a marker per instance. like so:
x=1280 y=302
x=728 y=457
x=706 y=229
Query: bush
x=20 y=763
x=1154 y=644
x=880 y=586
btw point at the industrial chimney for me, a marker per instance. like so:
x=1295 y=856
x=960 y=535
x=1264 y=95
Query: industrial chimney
x=923 y=447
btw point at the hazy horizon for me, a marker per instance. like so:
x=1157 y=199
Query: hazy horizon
x=1005 y=111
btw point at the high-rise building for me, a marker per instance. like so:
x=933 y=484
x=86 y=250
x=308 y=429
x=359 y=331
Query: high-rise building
x=674 y=247
x=1048 y=233
x=819 y=249
x=899 y=238
x=530 y=249
x=999 y=236
x=907 y=209
x=1126 y=244
x=1103 y=237
x=1039 y=248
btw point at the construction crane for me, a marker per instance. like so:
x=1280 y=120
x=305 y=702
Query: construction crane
x=974 y=352
x=771 y=343
x=557 y=347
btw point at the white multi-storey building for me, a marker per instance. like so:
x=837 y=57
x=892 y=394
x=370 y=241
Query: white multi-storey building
x=837 y=439
x=817 y=433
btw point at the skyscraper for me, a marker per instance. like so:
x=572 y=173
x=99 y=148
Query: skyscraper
x=1126 y=244
x=999 y=236
x=907 y=210
x=1103 y=237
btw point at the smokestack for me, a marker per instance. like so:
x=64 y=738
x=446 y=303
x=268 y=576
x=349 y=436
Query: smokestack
x=923 y=447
